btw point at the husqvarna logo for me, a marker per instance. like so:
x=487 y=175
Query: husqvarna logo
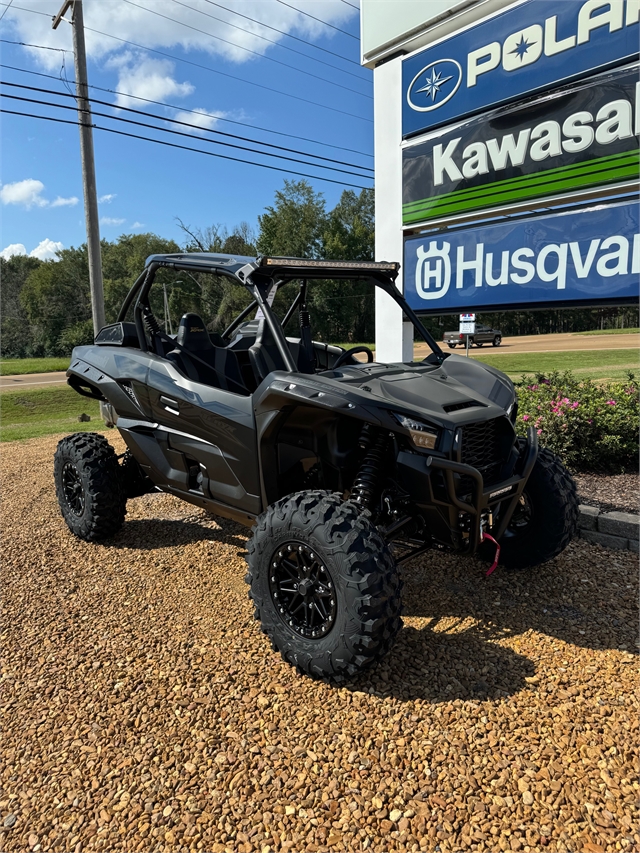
x=433 y=270
x=434 y=85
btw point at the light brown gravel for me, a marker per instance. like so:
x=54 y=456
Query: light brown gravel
x=144 y=711
x=617 y=492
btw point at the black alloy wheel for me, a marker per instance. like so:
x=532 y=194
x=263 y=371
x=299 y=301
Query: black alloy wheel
x=89 y=486
x=302 y=590
x=72 y=488
x=324 y=584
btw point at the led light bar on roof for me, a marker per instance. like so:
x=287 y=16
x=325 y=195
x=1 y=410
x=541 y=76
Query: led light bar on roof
x=334 y=265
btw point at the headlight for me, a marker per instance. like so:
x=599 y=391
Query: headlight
x=422 y=435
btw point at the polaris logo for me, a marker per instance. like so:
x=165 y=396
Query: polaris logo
x=531 y=46
x=580 y=130
x=528 y=45
x=434 y=85
x=613 y=256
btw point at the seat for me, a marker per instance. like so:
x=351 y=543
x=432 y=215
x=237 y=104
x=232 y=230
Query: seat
x=264 y=354
x=221 y=368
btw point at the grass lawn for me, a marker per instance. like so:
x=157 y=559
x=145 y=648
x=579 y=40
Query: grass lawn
x=19 y=366
x=600 y=364
x=30 y=414
x=610 y=332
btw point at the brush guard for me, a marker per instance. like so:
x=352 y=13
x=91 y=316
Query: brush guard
x=483 y=499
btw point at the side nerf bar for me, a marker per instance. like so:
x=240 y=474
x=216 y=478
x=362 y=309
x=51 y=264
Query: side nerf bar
x=482 y=499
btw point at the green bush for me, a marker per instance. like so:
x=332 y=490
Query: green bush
x=78 y=335
x=592 y=427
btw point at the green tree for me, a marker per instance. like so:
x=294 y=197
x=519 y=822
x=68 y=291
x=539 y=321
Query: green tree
x=124 y=260
x=345 y=311
x=295 y=225
x=15 y=329
x=349 y=232
x=55 y=297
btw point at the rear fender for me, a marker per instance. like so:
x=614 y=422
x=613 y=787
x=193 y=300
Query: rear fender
x=112 y=376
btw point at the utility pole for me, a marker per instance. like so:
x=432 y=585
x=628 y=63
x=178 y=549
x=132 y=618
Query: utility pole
x=88 y=164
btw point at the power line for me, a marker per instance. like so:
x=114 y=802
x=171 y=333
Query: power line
x=39 y=46
x=271 y=41
x=246 y=49
x=284 y=33
x=6 y=10
x=353 y=5
x=187 y=148
x=208 y=68
x=190 y=124
x=183 y=133
x=308 y=15
x=175 y=107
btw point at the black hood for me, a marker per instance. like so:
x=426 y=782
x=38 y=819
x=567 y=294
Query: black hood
x=460 y=388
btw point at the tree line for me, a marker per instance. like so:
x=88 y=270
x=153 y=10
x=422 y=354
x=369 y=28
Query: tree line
x=46 y=308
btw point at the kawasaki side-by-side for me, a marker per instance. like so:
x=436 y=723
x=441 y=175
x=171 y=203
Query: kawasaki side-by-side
x=343 y=469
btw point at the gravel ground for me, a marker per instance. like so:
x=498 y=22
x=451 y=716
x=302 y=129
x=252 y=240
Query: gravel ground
x=144 y=711
x=620 y=492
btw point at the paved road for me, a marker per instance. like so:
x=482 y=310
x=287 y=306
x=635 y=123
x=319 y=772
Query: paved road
x=33 y=380
x=526 y=343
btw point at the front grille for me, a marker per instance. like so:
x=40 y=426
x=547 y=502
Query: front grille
x=481 y=449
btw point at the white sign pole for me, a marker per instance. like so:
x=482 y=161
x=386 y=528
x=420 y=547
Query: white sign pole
x=467 y=327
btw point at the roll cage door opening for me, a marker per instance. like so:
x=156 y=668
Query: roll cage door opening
x=259 y=286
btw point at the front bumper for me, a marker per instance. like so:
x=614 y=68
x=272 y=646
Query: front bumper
x=499 y=498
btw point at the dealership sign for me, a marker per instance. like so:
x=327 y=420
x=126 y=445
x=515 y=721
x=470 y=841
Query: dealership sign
x=583 y=136
x=517 y=52
x=588 y=256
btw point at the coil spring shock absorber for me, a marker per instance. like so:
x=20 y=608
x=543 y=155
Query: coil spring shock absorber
x=366 y=485
x=153 y=328
x=150 y=321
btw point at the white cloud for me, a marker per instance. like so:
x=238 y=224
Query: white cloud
x=28 y=194
x=107 y=199
x=24 y=193
x=136 y=225
x=199 y=117
x=13 y=249
x=46 y=250
x=110 y=220
x=146 y=78
x=65 y=202
x=139 y=25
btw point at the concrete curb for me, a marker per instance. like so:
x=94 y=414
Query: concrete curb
x=618 y=531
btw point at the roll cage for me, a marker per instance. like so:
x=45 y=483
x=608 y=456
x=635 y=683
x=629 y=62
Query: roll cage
x=259 y=276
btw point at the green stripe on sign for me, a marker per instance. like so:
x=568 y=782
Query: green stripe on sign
x=594 y=165
x=601 y=170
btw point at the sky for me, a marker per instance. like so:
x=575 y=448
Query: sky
x=258 y=69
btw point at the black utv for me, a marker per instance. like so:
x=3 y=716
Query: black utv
x=344 y=468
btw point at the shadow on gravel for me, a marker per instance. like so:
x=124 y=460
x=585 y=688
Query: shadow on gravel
x=441 y=666
x=150 y=534
x=586 y=598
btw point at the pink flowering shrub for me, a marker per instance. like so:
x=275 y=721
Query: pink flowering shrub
x=592 y=427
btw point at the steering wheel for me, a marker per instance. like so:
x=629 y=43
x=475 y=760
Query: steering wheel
x=348 y=353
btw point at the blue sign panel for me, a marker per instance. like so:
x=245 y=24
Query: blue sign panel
x=588 y=256
x=517 y=52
